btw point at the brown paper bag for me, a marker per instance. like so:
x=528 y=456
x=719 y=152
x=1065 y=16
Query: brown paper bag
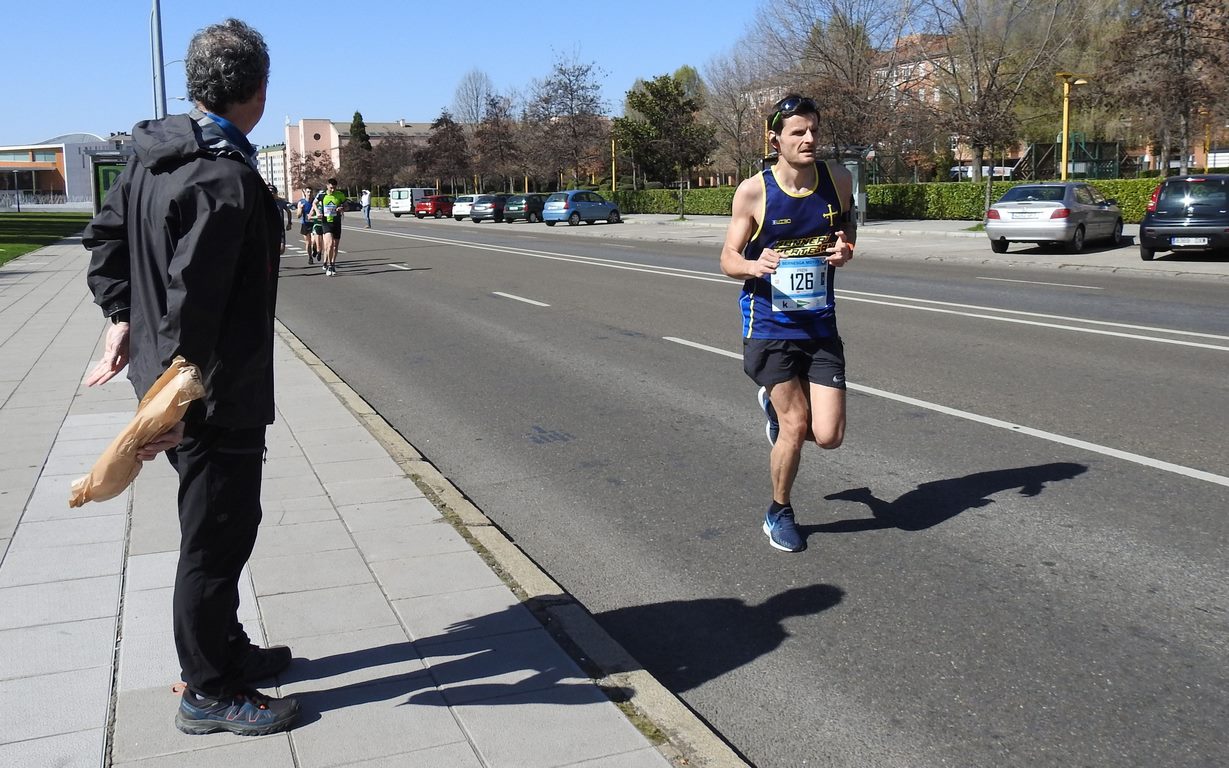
x=162 y=407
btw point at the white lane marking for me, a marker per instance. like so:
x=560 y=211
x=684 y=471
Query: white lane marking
x=520 y=298
x=1036 y=314
x=1038 y=282
x=1147 y=461
x=398 y=266
x=1021 y=321
x=846 y=295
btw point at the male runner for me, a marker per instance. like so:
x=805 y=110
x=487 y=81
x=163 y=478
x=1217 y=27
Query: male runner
x=333 y=203
x=791 y=227
x=304 y=207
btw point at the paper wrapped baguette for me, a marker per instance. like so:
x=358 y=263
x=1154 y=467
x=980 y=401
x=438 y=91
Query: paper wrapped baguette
x=162 y=407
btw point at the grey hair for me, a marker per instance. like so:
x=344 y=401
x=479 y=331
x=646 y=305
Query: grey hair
x=225 y=65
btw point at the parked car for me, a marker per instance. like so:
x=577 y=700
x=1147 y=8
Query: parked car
x=1186 y=213
x=527 y=207
x=350 y=205
x=488 y=207
x=1070 y=213
x=577 y=205
x=403 y=199
x=461 y=206
x=435 y=205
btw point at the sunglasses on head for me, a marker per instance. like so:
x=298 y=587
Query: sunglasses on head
x=794 y=105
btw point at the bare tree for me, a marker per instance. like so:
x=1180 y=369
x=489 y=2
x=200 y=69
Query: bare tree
x=310 y=171
x=495 y=141
x=991 y=51
x=470 y=99
x=393 y=161
x=735 y=83
x=845 y=53
x=568 y=110
x=1175 y=87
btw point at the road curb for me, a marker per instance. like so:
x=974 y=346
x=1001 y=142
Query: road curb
x=682 y=736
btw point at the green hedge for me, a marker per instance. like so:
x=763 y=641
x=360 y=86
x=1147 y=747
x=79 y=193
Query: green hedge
x=708 y=200
x=936 y=200
x=965 y=200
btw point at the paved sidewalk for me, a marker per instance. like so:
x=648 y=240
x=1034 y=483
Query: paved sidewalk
x=409 y=649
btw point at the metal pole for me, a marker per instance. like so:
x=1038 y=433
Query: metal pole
x=1066 y=109
x=612 y=165
x=16 y=192
x=155 y=41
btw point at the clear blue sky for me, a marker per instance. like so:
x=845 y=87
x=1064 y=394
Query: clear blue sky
x=85 y=65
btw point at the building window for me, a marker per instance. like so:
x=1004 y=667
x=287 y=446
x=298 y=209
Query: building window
x=316 y=136
x=14 y=157
x=44 y=157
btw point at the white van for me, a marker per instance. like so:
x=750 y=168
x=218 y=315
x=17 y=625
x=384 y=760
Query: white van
x=401 y=199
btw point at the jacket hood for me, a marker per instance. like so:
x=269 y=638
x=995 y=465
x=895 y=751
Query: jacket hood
x=175 y=139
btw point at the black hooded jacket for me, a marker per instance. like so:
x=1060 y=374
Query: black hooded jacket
x=187 y=243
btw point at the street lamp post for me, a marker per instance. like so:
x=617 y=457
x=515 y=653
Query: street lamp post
x=155 y=44
x=1068 y=81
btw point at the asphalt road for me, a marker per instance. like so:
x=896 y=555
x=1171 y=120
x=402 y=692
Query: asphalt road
x=1016 y=559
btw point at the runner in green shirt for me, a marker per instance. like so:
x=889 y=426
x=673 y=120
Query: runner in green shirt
x=332 y=207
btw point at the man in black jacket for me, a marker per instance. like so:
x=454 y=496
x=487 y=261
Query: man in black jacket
x=185 y=262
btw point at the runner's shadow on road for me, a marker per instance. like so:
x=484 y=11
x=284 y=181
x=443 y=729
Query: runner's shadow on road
x=686 y=643
x=936 y=502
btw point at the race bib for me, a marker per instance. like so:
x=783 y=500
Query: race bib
x=800 y=285
x=330 y=209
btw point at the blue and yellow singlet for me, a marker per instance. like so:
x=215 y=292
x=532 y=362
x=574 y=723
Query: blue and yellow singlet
x=797 y=302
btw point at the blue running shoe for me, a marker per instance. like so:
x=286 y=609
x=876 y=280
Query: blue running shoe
x=247 y=713
x=782 y=532
x=773 y=427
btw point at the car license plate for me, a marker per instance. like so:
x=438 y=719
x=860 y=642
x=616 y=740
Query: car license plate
x=1024 y=215
x=1189 y=241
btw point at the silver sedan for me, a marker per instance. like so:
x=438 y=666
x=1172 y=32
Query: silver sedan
x=1070 y=213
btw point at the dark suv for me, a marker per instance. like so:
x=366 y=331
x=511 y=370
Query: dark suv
x=1186 y=213
x=527 y=207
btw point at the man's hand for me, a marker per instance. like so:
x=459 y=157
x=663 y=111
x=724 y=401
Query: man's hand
x=164 y=442
x=840 y=252
x=765 y=265
x=114 y=356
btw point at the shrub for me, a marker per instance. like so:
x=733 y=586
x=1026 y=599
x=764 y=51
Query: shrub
x=714 y=201
x=963 y=200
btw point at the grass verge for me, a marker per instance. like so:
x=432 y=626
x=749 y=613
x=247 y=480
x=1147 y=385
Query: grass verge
x=27 y=231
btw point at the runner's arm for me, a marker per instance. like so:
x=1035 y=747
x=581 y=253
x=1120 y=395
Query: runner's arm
x=748 y=203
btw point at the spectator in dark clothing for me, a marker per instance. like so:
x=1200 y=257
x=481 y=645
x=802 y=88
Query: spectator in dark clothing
x=185 y=262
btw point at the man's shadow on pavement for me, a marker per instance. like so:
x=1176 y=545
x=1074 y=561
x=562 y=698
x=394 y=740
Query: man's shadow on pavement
x=686 y=643
x=506 y=658
x=935 y=502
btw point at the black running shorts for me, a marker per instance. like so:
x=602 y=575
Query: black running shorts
x=772 y=361
x=306 y=228
x=334 y=228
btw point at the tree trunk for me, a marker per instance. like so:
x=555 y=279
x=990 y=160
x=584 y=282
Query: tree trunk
x=978 y=152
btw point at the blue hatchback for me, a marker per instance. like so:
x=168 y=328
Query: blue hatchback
x=577 y=205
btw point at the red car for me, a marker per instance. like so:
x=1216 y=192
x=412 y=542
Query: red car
x=435 y=205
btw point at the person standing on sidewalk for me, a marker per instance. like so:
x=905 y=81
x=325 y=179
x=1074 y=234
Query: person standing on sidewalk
x=332 y=204
x=365 y=202
x=790 y=228
x=185 y=262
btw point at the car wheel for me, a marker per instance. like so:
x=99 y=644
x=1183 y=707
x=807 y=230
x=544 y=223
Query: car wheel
x=420 y=216
x=459 y=218
x=1077 y=241
x=1146 y=253
x=574 y=219
x=533 y=218
x=1116 y=237
x=396 y=215
x=613 y=218
x=476 y=221
x=550 y=223
x=437 y=215
x=998 y=246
